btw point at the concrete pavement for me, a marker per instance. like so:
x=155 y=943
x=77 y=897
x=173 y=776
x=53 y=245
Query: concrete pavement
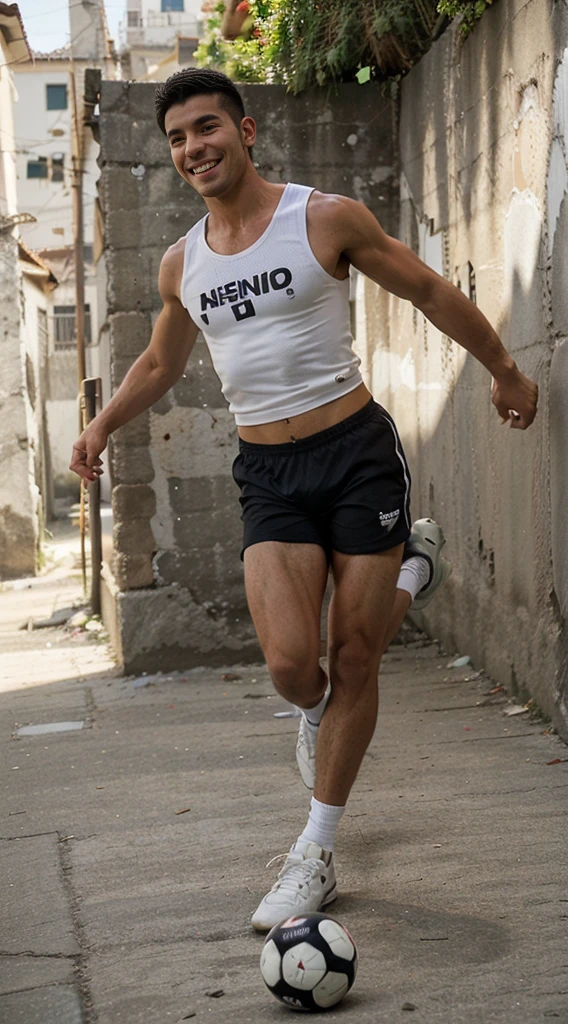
x=133 y=849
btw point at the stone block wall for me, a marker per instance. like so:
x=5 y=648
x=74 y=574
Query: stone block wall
x=176 y=596
x=484 y=174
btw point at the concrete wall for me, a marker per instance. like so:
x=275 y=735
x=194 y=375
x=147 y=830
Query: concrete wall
x=19 y=495
x=483 y=147
x=179 y=584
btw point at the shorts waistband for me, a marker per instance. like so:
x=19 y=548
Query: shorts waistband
x=314 y=440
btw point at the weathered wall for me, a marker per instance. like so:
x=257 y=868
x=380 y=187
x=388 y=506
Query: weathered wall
x=19 y=495
x=177 y=528
x=483 y=177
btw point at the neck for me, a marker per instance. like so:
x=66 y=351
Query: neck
x=248 y=198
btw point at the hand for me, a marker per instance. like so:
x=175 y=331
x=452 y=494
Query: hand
x=85 y=460
x=515 y=397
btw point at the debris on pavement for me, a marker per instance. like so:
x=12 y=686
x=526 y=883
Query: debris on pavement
x=408 y=1006
x=40 y=730
x=230 y=677
x=183 y=811
x=216 y=994
x=516 y=709
x=460 y=662
x=94 y=626
x=58 y=618
x=78 y=620
x=558 y=760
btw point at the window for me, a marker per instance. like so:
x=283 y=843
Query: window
x=37 y=168
x=56 y=97
x=133 y=19
x=57 y=167
x=172 y=5
x=64 y=331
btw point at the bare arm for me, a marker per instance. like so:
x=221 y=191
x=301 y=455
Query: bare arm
x=395 y=267
x=153 y=373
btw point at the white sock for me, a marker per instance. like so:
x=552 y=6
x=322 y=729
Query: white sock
x=414 y=575
x=322 y=824
x=315 y=714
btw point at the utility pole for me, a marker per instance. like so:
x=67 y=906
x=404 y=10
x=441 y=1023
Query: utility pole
x=77 y=186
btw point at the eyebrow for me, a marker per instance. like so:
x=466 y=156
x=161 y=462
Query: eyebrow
x=198 y=121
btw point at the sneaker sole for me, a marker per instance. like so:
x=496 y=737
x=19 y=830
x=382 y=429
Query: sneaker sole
x=419 y=603
x=304 y=771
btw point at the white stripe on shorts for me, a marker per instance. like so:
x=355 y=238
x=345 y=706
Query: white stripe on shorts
x=400 y=454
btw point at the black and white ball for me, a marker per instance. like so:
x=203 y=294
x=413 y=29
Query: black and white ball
x=309 y=963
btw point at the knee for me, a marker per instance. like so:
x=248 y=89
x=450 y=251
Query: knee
x=353 y=665
x=296 y=677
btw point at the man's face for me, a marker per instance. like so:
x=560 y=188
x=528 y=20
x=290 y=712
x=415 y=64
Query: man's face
x=207 y=148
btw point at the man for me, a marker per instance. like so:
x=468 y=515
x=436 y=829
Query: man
x=324 y=483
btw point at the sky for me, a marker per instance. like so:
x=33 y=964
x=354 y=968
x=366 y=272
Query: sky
x=47 y=21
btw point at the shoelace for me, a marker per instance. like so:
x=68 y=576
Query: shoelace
x=295 y=873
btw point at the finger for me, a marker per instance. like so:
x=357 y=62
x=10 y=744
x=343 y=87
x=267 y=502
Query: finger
x=503 y=410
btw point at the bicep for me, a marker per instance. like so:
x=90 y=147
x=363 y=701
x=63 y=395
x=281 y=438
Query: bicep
x=384 y=259
x=173 y=338
x=174 y=333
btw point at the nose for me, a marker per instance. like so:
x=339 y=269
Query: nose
x=194 y=147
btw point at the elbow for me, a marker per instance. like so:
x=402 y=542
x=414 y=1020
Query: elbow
x=431 y=295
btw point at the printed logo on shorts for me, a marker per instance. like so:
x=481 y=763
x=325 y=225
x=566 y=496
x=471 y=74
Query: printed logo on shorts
x=389 y=519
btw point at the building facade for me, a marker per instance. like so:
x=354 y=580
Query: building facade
x=24 y=290
x=150 y=31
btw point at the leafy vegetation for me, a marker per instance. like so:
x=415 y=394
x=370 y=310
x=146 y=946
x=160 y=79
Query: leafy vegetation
x=300 y=43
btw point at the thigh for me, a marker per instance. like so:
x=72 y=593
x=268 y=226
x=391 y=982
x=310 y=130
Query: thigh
x=362 y=602
x=285 y=584
x=371 y=510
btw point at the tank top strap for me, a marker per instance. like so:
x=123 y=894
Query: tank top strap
x=292 y=210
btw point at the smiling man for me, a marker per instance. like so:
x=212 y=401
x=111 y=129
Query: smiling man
x=323 y=478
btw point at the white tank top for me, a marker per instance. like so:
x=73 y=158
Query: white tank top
x=276 y=323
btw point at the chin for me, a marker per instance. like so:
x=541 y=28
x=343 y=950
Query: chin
x=214 y=189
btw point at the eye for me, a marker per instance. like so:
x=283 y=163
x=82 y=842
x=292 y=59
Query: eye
x=206 y=126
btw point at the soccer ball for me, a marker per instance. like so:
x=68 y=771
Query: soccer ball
x=309 y=963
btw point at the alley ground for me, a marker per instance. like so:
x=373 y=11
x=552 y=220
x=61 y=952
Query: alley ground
x=133 y=850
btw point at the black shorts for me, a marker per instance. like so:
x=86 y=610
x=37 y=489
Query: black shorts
x=346 y=488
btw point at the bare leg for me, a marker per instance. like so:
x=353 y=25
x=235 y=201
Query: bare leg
x=285 y=584
x=402 y=602
x=359 y=614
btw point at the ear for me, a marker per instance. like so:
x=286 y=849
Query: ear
x=248 y=129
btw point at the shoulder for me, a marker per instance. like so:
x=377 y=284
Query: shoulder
x=334 y=210
x=171 y=268
x=174 y=255
x=334 y=206
x=345 y=217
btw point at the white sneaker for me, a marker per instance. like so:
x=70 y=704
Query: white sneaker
x=305 y=884
x=306 y=751
x=427 y=539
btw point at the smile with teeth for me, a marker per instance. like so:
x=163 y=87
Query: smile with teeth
x=205 y=167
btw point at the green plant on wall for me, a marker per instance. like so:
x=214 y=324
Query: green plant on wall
x=469 y=12
x=307 y=42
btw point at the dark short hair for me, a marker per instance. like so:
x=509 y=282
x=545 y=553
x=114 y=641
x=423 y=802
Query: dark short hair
x=197 y=82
